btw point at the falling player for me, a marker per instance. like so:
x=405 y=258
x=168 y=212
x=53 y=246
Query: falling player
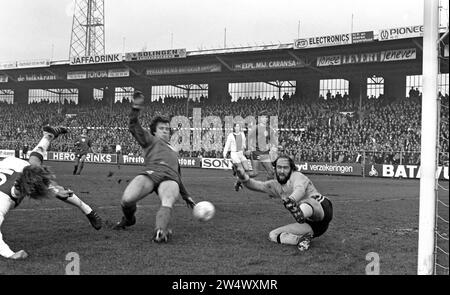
x=82 y=147
x=311 y=210
x=20 y=179
x=236 y=145
x=161 y=175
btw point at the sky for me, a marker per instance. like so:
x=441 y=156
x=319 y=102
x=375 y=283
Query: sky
x=41 y=29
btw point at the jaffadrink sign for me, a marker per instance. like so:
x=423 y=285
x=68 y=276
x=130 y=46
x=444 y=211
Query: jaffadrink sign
x=105 y=58
x=401 y=171
x=330 y=168
x=90 y=158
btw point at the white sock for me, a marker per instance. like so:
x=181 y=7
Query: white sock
x=74 y=200
x=306 y=209
x=44 y=144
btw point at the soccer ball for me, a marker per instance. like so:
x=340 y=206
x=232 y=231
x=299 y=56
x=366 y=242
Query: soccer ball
x=203 y=211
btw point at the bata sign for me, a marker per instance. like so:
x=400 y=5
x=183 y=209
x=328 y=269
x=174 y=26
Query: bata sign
x=90 y=158
x=400 y=33
x=106 y=58
x=401 y=171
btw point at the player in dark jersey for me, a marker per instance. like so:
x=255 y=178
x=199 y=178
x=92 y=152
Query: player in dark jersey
x=260 y=147
x=20 y=179
x=83 y=146
x=311 y=210
x=161 y=174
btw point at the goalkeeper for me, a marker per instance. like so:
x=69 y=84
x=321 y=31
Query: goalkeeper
x=311 y=210
x=161 y=174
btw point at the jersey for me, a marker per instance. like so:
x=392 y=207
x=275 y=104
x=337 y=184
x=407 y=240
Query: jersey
x=157 y=152
x=10 y=169
x=235 y=142
x=259 y=138
x=298 y=182
x=82 y=145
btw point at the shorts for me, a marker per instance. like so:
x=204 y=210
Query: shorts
x=320 y=227
x=261 y=156
x=238 y=157
x=158 y=174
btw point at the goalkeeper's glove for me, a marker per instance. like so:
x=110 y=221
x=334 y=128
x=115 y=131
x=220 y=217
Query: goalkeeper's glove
x=138 y=100
x=294 y=208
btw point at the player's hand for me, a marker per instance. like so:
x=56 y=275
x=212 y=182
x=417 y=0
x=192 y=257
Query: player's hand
x=19 y=255
x=247 y=153
x=61 y=191
x=189 y=202
x=292 y=206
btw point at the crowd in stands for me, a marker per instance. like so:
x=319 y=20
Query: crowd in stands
x=331 y=129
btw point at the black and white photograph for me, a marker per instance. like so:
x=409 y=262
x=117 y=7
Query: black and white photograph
x=222 y=146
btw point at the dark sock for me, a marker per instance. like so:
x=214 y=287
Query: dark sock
x=81 y=168
x=75 y=169
x=163 y=218
x=129 y=211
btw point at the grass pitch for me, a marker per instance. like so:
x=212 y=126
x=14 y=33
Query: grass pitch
x=370 y=215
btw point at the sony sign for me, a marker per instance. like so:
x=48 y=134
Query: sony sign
x=215 y=163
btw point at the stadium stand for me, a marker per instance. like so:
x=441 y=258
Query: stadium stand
x=336 y=129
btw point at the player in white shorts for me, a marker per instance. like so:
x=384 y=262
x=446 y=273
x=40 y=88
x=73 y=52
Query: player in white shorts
x=20 y=179
x=236 y=145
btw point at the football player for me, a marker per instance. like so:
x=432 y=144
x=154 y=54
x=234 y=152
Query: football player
x=82 y=147
x=236 y=145
x=260 y=147
x=161 y=174
x=311 y=210
x=20 y=179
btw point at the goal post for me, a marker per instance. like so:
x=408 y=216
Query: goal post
x=429 y=138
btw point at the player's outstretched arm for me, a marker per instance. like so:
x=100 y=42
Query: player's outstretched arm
x=184 y=193
x=143 y=137
x=186 y=196
x=252 y=184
